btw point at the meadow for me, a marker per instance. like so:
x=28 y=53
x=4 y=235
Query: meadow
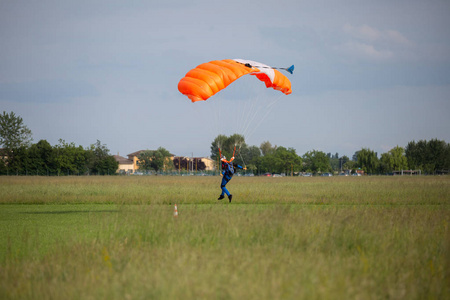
x=281 y=238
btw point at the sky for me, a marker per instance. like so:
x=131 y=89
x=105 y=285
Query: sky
x=368 y=74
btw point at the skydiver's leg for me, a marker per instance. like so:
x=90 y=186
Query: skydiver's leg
x=225 y=180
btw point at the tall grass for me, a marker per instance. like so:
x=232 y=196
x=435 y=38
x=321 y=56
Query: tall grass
x=196 y=190
x=281 y=238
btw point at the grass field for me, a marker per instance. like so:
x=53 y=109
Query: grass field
x=280 y=238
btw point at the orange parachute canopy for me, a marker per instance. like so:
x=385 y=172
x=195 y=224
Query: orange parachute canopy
x=209 y=78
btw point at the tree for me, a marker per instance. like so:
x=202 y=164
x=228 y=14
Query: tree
x=3 y=168
x=355 y=156
x=399 y=159
x=234 y=144
x=99 y=161
x=21 y=162
x=167 y=162
x=250 y=157
x=41 y=158
x=227 y=145
x=385 y=163
x=62 y=158
x=395 y=159
x=349 y=165
x=335 y=161
x=155 y=160
x=266 y=148
x=287 y=161
x=430 y=157
x=416 y=154
x=107 y=166
x=70 y=159
x=268 y=163
x=368 y=161
x=13 y=134
x=316 y=161
x=343 y=161
x=218 y=142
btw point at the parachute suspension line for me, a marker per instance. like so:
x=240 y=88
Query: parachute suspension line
x=269 y=109
x=220 y=157
x=217 y=110
x=245 y=108
x=216 y=115
x=240 y=153
x=242 y=113
x=258 y=115
x=253 y=113
x=204 y=114
x=243 y=161
x=210 y=114
x=248 y=113
x=241 y=108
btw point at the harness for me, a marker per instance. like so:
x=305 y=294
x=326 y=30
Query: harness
x=228 y=168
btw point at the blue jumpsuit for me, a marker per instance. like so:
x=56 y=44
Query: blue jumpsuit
x=227 y=172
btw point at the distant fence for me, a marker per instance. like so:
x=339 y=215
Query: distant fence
x=67 y=172
x=170 y=173
x=407 y=172
x=32 y=172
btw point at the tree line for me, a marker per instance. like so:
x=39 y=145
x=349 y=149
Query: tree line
x=430 y=157
x=19 y=156
x=62 y=159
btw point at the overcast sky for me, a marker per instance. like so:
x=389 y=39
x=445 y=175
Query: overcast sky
x=368 y=74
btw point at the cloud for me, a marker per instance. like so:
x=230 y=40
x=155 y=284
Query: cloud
x=371 y=43
x=363 y=50
x=396 y=37
x=363 y=32
x=98 y=61
x=370 y=34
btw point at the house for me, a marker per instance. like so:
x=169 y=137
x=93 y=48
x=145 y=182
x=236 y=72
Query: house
x=134 y=158
x=130 y=165
x=186 y=163
x=126 y=166
x=209 y=163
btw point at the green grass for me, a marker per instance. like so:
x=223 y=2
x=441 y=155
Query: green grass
x=281 y=238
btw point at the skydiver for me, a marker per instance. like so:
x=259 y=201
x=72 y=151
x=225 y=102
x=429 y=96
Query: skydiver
x=228 y=169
